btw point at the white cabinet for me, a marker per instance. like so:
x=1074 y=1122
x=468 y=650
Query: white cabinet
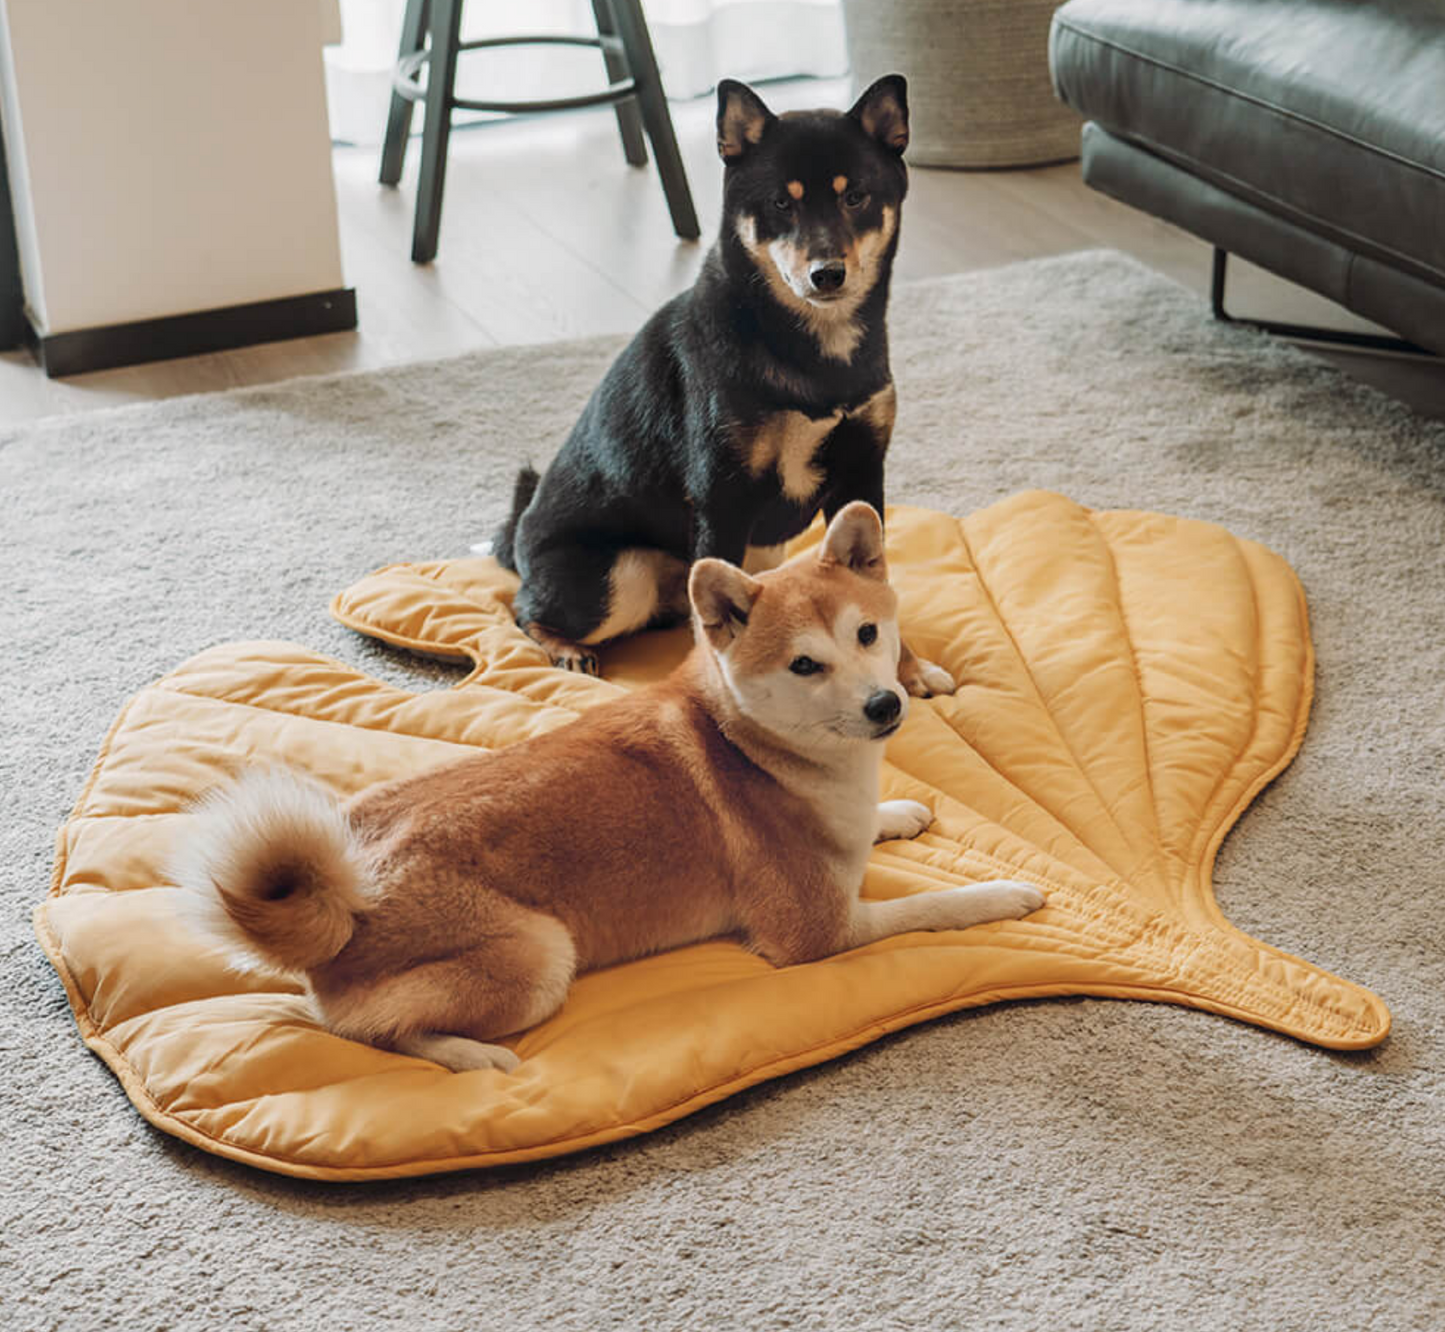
x=170 y=157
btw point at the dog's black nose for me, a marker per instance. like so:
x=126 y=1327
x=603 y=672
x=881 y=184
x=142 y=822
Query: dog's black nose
x=828 y=276
x=882 y=707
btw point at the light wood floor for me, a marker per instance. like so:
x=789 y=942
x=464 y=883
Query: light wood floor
x=547 y=234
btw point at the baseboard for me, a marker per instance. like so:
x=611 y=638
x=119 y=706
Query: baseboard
x=113 y=345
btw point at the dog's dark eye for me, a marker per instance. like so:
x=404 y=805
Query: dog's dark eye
x=805 y=666
x=867 y=634
x=783 y=203
x=855 y=199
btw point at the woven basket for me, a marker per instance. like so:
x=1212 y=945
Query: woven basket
x=979 y=92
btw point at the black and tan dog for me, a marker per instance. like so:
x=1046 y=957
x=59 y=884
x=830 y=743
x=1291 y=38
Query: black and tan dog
x=744 y=405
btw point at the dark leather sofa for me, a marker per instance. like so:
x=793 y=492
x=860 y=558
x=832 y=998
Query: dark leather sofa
x=1307 y=136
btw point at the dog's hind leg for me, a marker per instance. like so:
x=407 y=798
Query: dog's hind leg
x=451 y=1011
x=564 y=598
x=644 y=583
x=461 y=1054
x=572 y=600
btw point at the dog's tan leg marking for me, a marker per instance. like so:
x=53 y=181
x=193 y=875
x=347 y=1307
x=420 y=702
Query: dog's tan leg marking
x=643 y=583
x=562 y=652
x=945 y=909
x=901 y=819
x=922 y=678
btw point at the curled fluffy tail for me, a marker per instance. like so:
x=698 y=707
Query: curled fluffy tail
x=276 y=871
x=528 y=479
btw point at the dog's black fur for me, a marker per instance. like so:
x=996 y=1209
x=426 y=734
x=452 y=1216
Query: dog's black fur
x=700 y=440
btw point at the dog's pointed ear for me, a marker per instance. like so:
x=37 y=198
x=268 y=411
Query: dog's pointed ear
x=722 y=597
x=854 y=539
x=742 y=119
x=882 y=111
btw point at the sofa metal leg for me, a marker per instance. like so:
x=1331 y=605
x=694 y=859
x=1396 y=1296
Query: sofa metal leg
x=1376 y=342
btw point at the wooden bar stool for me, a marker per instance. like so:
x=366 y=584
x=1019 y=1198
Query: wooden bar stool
x=431 y=40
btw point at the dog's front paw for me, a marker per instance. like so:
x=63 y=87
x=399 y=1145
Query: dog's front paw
x=902 y=818
x=923 y=678
x=1008 y=899
x=978 y=903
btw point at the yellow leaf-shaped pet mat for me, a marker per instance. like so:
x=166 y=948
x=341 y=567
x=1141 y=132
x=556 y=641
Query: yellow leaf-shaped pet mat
x=1128 y=683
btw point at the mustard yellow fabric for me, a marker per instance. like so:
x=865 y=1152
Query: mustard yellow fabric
x=1128 y=683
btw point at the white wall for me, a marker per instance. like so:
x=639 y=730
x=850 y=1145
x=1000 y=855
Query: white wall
x=167 y=156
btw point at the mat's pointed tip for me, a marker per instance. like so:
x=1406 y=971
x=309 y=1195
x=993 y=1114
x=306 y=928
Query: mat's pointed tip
x=1342 y=1016
x=1369 y=1034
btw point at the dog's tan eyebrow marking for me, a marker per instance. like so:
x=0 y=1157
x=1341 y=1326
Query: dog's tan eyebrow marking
x=840 y=183
x=795 y=188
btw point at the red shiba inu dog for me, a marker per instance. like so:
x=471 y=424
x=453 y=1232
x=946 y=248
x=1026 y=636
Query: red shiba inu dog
x=738 y=797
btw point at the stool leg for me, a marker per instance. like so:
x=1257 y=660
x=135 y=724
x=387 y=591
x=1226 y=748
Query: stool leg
x=632 y=28
x=629 y=123
x=398 y=121
x=441 y=74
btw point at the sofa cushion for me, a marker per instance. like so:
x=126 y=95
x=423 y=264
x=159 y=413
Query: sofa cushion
x=1329 y=114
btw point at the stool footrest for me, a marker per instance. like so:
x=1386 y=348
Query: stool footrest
x=426 y=72
x=406 y=80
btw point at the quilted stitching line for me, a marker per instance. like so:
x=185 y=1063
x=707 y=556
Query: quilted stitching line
x=1134 y=666
x=374 y=629
x=324 y=721
x=947 y=721
x=57 y=873
x=1254 y=729
x=1039 y=696
x=1263 y=779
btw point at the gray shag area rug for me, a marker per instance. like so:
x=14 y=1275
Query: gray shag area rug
x=1044 y=1165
